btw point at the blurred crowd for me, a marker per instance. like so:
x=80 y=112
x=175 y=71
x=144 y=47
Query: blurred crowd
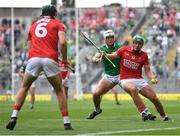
x=5 y=50
x=160 y=32
x=94 y=21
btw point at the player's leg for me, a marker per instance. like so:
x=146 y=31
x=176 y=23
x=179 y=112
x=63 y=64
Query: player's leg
x=62 y=101
x=51 y=70
x=20 y=98
x=66 y=91
x=66 y=87
x=103 y=87
x=149 y=93
x=131 y=89
x=115 y=95
x=32 y=95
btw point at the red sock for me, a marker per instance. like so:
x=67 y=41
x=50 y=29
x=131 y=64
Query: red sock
x=141 y=108
x=162 y=115
x=16 y=107
x=65 y=113
x=65 y=117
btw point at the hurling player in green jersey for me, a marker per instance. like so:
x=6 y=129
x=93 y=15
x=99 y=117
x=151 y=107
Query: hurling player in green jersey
x=111 y=74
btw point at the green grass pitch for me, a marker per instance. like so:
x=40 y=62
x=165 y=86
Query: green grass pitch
x=115 y=119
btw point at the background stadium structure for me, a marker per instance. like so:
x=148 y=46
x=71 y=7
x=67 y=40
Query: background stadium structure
x=159 y=23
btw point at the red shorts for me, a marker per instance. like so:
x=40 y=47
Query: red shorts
x=63 y=74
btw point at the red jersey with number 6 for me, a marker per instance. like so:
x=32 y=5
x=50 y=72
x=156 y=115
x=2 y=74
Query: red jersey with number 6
x=43 y=35
x=131 y=63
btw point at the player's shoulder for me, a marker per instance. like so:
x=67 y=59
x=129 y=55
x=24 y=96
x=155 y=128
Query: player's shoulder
x=143 y=52
x=103 y=47
x=54 y=20
x=60 y=23
x=126 y=48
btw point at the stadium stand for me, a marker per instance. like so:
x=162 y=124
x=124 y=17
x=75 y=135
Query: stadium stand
x=160 y=31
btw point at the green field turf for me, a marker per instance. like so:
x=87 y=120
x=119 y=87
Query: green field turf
x=115 y=119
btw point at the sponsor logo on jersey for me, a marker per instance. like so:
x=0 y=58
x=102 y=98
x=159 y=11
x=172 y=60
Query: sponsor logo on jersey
x=130 y=64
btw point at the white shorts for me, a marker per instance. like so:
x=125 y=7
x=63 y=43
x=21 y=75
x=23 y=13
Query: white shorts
x=34 y=84
x=140 y=83
x=65 y=83
x=36 y=65
x=113 y=79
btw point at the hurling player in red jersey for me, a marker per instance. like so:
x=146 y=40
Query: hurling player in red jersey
x=133 y=59
x=43 y=38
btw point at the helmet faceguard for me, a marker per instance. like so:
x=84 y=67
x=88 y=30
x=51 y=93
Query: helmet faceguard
x=49 y=10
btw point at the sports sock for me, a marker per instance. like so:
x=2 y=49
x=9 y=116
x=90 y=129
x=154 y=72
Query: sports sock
x=16 y=110
x=146 y=110
x=141 y=109
x=162 y=115
x=97 y=109
x=65 y=117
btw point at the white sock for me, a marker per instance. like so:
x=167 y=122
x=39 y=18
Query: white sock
x=66 y=119
x=163 y=117
x=146 y=110
x=97 y=109
x=14 y=113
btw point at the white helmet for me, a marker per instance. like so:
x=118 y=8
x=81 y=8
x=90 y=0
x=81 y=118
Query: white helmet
x=108 y=32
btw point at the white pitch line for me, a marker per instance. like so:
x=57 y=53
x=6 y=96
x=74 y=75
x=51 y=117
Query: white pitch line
x=97 y=120
x=128 y=131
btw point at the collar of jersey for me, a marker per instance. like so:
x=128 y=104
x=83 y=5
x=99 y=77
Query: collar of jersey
x=108 y=47
x=46 y=16
x=133 y=51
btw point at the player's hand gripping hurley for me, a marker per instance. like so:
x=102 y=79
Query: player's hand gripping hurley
x=98 y=49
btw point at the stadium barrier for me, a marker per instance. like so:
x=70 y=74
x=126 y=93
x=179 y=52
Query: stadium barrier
x=127 y=97
x=122 y=97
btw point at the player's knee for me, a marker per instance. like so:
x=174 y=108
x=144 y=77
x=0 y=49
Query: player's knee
x=96 y=94
x=129 y=88
x=58 y=89
x=155 y=99
x=25 y=88
x=132 y=90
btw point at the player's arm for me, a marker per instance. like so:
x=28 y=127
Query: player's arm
x=21 y=74
x=150 y=74
x=63 y=45
x=112 y=56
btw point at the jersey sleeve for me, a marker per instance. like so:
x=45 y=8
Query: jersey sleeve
x=61 y=27
x=119 y=51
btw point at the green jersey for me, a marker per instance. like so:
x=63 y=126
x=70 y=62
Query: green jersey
x=109 y=69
